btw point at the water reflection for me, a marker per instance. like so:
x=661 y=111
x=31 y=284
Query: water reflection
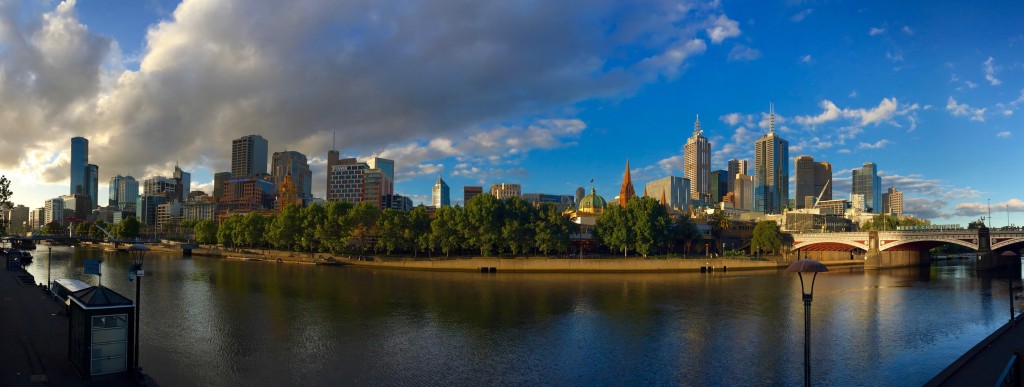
x=221 y=322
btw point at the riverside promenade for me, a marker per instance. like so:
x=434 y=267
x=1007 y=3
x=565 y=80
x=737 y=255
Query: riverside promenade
x=34 y=337
x=985 y=363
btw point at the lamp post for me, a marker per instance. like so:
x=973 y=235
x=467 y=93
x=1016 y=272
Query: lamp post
x=138 y=254
x=49 y=260
x=800 y=267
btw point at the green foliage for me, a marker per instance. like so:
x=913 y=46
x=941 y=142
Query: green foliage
x=284 y=228
x=446 y=228
x=484 y=223
x=96 y=233
x=362 y=226
x=767 y=237
x=719 y=221
x=884 y=222
x=206 y=231
x=5 y=201
x=418 y=231
x=551 y=230
x=615 y=229
x=312 y=219
x=128 y=228
x=976 y=224
x=517 y=233
x=54 y=228
x=333 y=232
x=226 y=231
x=650 y=222
x=391 y=226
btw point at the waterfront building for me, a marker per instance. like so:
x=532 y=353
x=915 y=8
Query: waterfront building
x=812 y=179
x=506 y=190
x=469 y=191
x=866 y=182
x=673 y=190
x=79 y=166
x=80 y=205
x=105 y=214
x=182 y=183
x=736 y=167
x=439 y=195
x=168 y=215
x=249 y=156
x=743 y=186
x=219 y=179
x=248 y=194
x=771 y=171
x=112 y=190
x=719 y=185
x=146 y=206
x=561 y=202
x=200 y=208
x=892 y=202
x=627 y=191
x=396 y=202
x=697 y=164
x=585 y=215
x=295 y=164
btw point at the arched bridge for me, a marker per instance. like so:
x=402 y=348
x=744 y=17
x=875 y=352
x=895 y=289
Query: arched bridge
x=984 y=241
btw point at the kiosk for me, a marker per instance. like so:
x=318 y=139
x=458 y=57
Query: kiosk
x=100 y=332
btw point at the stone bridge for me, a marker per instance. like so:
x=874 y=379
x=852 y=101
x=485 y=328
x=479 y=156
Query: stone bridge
x=881 y=249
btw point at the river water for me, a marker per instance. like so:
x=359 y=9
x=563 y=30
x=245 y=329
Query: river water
x=208 y=321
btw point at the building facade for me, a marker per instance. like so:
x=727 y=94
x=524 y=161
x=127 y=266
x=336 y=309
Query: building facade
x=248 y=194
x=892 y=202
x=79 y=166
x=80 y=205
x=440 y=195
x=812 y=179
x=866 y=182
x=506 y=190
x=249 y=156
x=469 y=191
x=743 y=193
x=296 y=164
x=182 y=184
x=675 y=190
x=396 y=202
x=771 y=171
x=736 y=167
x=561 y=202
x=697 y=164
x=719 y=185
x=219 y=179
x=345 y=180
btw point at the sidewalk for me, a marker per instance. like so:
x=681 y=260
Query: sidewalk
x=983 y=364
x=34 y=337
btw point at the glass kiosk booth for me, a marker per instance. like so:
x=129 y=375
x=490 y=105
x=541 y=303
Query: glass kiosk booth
x=101 y=332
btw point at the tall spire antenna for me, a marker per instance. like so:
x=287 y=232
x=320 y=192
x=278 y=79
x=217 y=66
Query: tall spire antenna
x=334 y=142
x=771 y=118
x=696 y=126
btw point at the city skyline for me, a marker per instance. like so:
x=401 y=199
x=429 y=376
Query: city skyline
x=879 y=83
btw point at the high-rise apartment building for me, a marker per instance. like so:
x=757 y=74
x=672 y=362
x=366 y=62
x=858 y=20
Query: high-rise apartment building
x=296 y=164
x=771 y=171
x=396 y=202
x=675 y=190
x=866 y=182
x=54 y=211
x=719 y=185
x=248 y=156
x=376 y=184
x=812 y=179
x=736 y=167
x=440 y=195
x=385 y=165
x=469 y=191
x=182 y=184
x=892 y=202
x=743 y=193
x=17 y=219
x=345 y=179
x=92 y=175
x=160 y=186
x=697 y=164
x=248 y=194
x=79 y=166
x=506 y=190
x=112 y=189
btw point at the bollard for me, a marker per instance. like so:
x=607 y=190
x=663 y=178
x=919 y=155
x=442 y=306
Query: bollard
x=703 y=269
x=483 y=269
x=494 y=270
x=725 y=268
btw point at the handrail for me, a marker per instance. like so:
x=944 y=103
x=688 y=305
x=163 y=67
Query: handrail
x=1009 y=376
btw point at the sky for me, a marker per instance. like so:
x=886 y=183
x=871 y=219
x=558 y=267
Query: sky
x=547 y=94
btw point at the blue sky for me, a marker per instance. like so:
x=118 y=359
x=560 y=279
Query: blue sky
x=546 y=94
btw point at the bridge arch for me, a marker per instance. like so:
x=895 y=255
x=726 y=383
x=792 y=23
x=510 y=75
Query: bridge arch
x=925 y=244
x=829 y=245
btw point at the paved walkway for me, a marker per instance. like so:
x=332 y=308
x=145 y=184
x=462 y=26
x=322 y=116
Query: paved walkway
x=983 y=364
x=34 y=337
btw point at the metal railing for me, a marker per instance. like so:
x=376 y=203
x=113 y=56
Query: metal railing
x=1010 y=376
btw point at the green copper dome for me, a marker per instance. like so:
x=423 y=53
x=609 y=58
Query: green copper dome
x=592 y=203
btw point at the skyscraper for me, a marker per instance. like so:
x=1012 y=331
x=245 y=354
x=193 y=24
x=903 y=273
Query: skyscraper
x=114 y=186
x=892 y=202
x=124 y=191
x=183 y=183
x=719 y=184
x=744 y=192
x=79 y=166
x=866 y=182
x=811 y=180
x=697 y=164
x=294 y=163
x=219 y=179
x=736 y=167
x=248 y=156
x=345 y=179
x=439 y=195
x=92 y=178
x=771 y=171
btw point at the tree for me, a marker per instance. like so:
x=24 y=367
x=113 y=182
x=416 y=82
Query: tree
x=128 y=228
x=446 y=229
x=686 y=231
x=976 y=224
x=206 y=231
x=551 y=230
x=650 y=224
x=881 y=222
x=226 y=231
x=333 y=232
x=484 y=223
x=54 y=228
x=362 y=221
x=312 y=219
x=5 y=201
x=767 y=237
x=390 y=230
x=283 y=229
x=719 y=221
x=614 y=229
x=251 y=230
x=517 y=231
x=418 y=232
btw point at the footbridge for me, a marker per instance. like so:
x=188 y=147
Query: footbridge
x=881 y=249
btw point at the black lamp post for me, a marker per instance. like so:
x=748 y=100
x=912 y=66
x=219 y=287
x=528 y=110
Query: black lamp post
x=800 y=267
x=138 y=253
x=49 y=261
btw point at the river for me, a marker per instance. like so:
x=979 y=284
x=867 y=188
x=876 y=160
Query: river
x=209 y=321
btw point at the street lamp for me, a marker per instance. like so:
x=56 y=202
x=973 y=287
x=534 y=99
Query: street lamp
x=800 y=267
x=49 y=261
x=138 y=253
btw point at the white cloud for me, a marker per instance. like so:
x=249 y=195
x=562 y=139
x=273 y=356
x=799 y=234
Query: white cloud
x=743 y=53
x=874 y=31
x=907 y=30
x=1007 y=112
x=853 y=94
x=886 y=110
x=970 y=85
x=723 y=28
x=806 y=58
x=1004 y=134
x=978 y=208
x=800 y=16
x=877 y=145
x=962 y=109
x=990 y=72
x=831 y=113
